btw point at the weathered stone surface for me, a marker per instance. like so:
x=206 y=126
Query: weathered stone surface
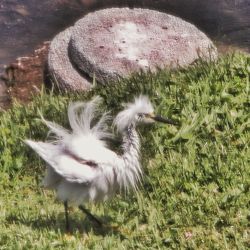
x=62 y=72
x=116 y=42
x=226 y=21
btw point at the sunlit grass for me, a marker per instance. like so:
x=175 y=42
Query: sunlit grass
x=195 y=193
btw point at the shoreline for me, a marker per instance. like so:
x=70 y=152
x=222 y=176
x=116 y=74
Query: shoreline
x=24 y=77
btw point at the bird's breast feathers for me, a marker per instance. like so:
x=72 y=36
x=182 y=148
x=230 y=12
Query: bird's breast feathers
x=90 y=149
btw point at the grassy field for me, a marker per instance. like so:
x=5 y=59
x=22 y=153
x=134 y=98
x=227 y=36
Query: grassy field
x=196 y=189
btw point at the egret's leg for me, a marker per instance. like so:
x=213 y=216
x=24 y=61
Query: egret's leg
x=66 y=215
x=91 y=216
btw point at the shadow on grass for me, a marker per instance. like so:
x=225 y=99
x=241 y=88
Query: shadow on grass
x=57 y=223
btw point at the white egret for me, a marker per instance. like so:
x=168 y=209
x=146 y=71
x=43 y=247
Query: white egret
x=80 y=166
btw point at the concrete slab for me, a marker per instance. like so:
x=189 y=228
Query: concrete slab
x=116 y=42
x=61 y=70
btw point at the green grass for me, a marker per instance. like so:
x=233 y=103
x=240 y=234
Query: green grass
x=196 y=190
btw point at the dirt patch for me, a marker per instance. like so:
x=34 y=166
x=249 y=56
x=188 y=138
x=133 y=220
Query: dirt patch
x=24 y=77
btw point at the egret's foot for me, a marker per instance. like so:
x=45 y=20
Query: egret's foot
x=68 y=237
x=118 y=229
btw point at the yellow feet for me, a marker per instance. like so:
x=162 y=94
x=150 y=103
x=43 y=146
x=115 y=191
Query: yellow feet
x=68 y=237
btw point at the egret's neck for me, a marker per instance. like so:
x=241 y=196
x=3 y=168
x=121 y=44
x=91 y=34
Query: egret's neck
x=131 y=142
x=130 y=157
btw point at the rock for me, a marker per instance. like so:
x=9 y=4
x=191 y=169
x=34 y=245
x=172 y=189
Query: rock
x=61 y=70
x=24 y=77
x=4 y=96
x=116 y=42
x=226 y=21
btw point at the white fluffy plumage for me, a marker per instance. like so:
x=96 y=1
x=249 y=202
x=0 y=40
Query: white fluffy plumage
x=80 y=166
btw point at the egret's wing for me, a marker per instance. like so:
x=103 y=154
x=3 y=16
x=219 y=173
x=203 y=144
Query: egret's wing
x=66 y=166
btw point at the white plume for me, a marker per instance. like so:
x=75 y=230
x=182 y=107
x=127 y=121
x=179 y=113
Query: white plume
x=126 y=117
x=81 y=118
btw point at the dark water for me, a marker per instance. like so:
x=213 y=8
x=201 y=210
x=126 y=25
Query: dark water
x=24 y=24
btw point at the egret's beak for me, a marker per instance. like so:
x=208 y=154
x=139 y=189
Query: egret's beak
x=159 y=118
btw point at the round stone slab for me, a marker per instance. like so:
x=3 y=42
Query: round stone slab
x=60 y=69
x=116 y=42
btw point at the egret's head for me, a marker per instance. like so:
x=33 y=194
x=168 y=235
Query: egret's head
x=140 y=111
